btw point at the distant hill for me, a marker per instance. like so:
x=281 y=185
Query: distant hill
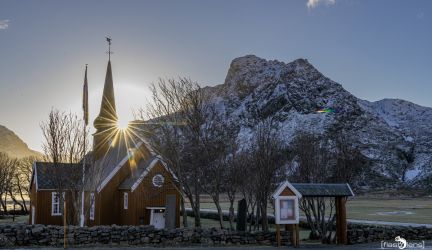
x=11 y=144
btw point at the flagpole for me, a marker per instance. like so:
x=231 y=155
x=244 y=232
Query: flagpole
x=85 y=110
x=64 y=223
x=83 y=179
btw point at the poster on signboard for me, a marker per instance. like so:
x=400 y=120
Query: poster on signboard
x=287 y=211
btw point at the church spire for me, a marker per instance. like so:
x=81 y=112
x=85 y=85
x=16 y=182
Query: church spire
x=108 y=108
x=106 y=122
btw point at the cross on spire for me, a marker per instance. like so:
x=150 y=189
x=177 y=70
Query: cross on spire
x=108 y=39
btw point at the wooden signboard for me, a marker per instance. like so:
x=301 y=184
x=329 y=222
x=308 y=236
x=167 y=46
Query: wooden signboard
x=286 y=199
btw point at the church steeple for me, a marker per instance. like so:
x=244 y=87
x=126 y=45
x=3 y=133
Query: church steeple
x=106 y=122
x=108 y=108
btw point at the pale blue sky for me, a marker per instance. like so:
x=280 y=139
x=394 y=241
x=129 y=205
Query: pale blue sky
x=375 y=49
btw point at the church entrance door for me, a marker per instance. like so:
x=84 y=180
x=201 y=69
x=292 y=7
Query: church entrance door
x=157 y=217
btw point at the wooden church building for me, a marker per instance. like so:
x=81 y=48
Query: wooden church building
x=126 y=182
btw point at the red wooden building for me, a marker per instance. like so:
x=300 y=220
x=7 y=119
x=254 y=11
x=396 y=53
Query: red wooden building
x=126 y=182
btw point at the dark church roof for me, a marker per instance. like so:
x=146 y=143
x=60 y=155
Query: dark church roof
x=69 y=176
x=323 y=190
x=59 y=176
x=142 y=166
x=113 y=157
x=117 y=155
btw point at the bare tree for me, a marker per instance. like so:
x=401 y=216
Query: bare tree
x=176 y=115
x=311 y=164
x=164 y=126
x=318 y=159
x=65 y=143
x=21 y=181
x=269 y=156
x=235 y=177
x=320 y=214
x=16 y=184
x=218 y=147
x=249 y=185
x=310 y=159
x=350 y=162
x=15 y=177
x=7 y=173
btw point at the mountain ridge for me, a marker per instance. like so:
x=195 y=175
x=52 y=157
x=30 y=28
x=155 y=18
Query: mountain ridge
x=291 y=93
x=13 y=145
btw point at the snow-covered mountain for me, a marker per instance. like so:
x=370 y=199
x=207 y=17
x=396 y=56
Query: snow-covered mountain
x=395 y=134
x=414 y=123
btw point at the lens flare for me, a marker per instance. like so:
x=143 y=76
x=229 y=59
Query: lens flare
x=122 y=124
x=326 y=110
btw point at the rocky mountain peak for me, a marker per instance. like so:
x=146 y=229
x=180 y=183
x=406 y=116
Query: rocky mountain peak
x=393 y=134
x=249 y=72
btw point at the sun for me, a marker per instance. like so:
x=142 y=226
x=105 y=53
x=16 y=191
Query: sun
x=122 y=124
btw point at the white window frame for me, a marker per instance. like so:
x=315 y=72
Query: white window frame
x=296 y=210
x=155 y=180
x=125 y=200
x=92 y=206
x=56 y=206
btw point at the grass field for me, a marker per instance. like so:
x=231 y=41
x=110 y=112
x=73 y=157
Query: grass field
x=18 y=219
x=408 y=210
x=208 y=223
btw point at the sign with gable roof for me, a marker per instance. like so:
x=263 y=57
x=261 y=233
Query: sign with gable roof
x=286 y=198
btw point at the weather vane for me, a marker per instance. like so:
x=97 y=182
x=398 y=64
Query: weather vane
x=108 y=38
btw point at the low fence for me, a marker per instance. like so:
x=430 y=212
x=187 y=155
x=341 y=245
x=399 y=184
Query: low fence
x=40 y=235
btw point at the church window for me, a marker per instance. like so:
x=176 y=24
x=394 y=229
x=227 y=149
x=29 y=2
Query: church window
x=125 y=200
x=158 y=180
x=92 y=206
x=56 y=204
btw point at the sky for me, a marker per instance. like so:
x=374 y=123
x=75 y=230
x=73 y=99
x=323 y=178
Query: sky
x=375 y=49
